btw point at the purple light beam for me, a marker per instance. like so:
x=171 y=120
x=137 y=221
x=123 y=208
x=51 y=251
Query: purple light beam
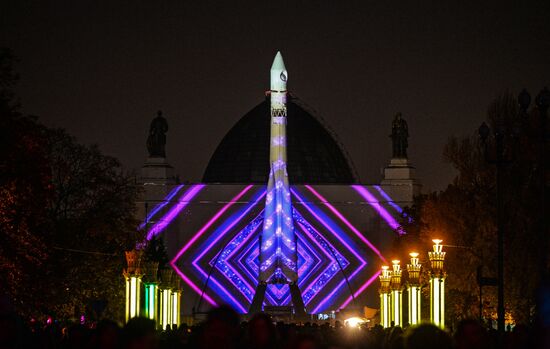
x=174 y=211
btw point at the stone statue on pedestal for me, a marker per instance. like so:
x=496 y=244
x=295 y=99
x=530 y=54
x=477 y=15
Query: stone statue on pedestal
x=399 y=136
x=156 y=141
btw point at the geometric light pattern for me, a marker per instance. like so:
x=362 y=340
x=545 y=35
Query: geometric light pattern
x=218 y=258
x=226 y=259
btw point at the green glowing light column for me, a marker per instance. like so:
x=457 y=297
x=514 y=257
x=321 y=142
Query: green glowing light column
x=133 y=276
x=396 y=294
x=385 y=298
x=150 y=282
x=437 y=284
x=413 y=289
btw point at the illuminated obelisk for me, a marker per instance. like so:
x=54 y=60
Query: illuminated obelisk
x=278 y=253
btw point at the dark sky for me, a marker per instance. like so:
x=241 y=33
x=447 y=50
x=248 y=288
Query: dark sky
x=101 y=69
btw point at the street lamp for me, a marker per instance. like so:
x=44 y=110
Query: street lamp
x=543 y=102
x=413 y=289
x=500 y=162
x=385 y=300
x=133 y=275
x=437 y=284
x=396 y=294
x=166 y=299
x=150 y=283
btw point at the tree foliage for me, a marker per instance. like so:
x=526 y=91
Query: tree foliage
x=66 y=216
x=464 y=216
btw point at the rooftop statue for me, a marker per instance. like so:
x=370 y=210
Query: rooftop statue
x=156 y=141
x=399 y=136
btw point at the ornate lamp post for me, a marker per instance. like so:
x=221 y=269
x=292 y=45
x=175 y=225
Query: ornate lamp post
x=176 y=301
x=385 y=300
x=437 y=284
x=165 y=289
x=413 y=289
x=396 y=294
x=150 y=282
x=133 y=275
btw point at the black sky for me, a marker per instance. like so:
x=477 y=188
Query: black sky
x=101 y=69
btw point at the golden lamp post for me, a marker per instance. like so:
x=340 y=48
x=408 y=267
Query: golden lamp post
x=437 y=284
x=396 y=294
x=150 y=283
x=413 y=289
x=132 y=275
x=385 y=300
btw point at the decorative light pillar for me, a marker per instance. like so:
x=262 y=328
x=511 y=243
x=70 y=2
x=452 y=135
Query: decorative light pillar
x=437 y=284
x=176 y=301
x=150 y=282
x=165 y=289
x=385 y=300
x=176 y=297
x=413 y=289
x=133 y=275
x=396 y=294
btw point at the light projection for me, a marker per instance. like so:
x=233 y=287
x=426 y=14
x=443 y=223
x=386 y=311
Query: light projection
x=252 y=246
x=182 y=202
x=219 y=260
x=278 y=254
x=160 y=206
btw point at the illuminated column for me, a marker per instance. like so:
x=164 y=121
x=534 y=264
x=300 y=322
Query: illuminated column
x=166 y=307
x=176 y=297
x=176 y=301
x=413 y=289
x=437 y=284
x=150 y=282
x=133 y=276
x=396 y=294
x=385 y=298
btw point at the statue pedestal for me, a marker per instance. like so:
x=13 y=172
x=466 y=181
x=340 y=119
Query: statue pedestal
x=399 y=179
x=157 y=171
x=158 y=179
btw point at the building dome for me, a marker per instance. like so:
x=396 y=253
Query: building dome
x=314 y=155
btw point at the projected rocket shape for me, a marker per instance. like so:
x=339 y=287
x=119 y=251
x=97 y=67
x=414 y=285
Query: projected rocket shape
x=278 y=257
x=278 y=249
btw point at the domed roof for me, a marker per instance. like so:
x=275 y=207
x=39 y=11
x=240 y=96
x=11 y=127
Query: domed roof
x=314 y=156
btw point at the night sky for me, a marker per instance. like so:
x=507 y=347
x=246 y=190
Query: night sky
x=101 y=69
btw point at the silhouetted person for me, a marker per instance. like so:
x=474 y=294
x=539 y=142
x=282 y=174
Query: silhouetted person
x=107 y=335
x=140 y=333
x=395 y=338
x=261 y=332
x=221 y=329
x=470 y=335
x=427 y=336
x=306 y=341
x=77 y=337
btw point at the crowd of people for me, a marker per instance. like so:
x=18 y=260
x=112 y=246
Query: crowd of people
x=224 y=329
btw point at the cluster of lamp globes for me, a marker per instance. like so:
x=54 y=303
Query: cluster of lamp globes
x=391 y=290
